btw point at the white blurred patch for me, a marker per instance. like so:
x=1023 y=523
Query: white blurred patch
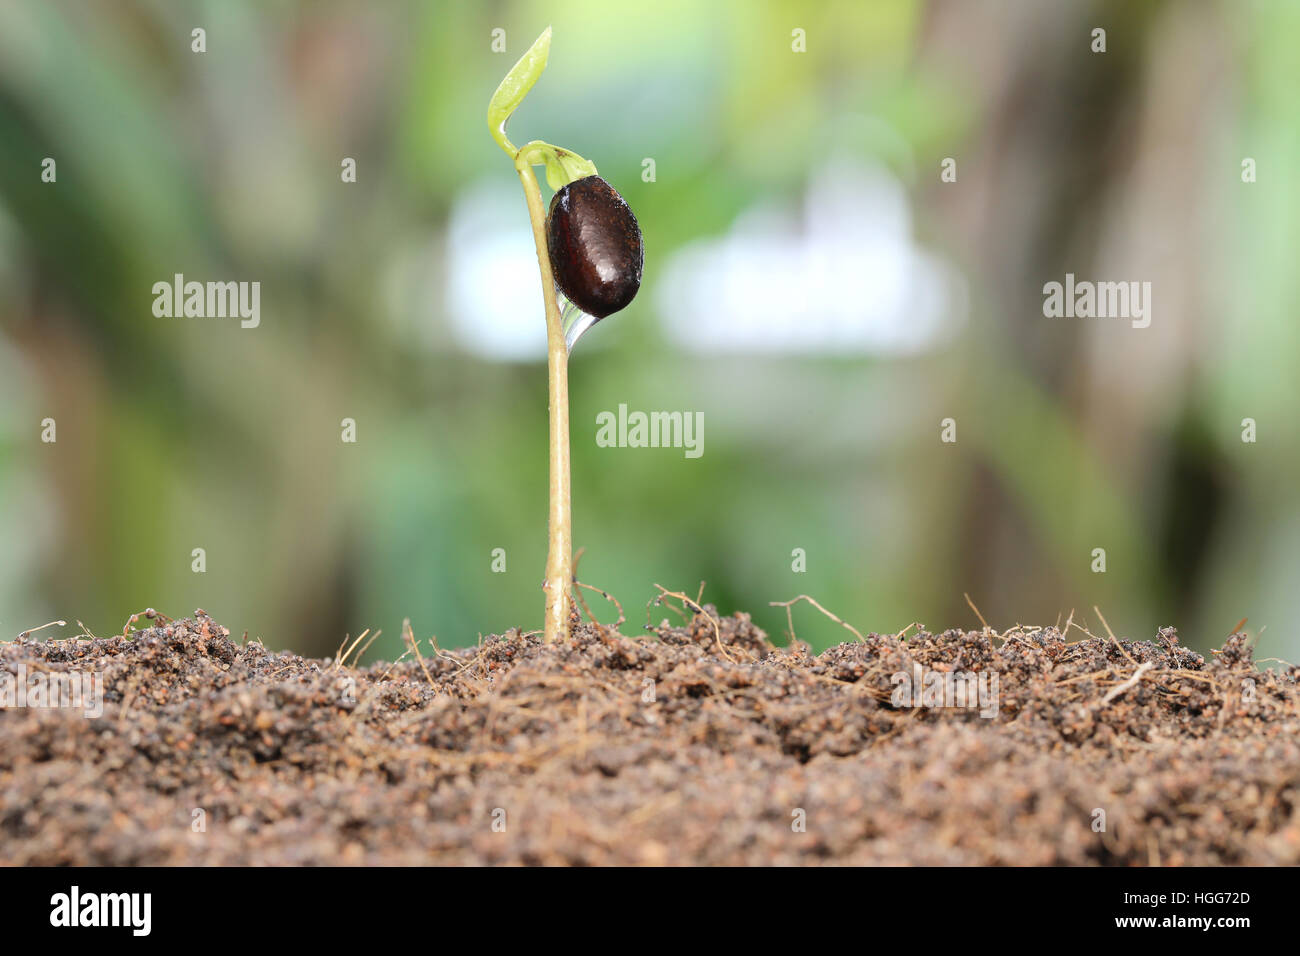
x=845 y=277
x=494 y=289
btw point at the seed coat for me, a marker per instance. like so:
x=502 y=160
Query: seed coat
x=595 y=246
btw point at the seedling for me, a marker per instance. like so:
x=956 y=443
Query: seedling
x=590 y=247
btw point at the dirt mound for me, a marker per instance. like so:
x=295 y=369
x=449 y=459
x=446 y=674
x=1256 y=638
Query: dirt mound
x=692 y=745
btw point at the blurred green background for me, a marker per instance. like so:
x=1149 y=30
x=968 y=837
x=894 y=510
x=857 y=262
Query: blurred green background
x=811 y=286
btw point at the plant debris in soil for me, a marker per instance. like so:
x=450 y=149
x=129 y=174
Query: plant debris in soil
x=698 y=744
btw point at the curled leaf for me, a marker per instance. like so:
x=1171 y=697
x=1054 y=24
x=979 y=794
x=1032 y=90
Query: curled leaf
x=515 y=87
x=563 y=166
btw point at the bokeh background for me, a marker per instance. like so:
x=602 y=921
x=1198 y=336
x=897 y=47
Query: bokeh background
x=811 y=286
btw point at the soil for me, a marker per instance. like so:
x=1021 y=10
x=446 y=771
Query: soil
x=216 y=751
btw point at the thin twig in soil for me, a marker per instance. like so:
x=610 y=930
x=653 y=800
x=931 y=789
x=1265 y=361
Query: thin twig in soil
x=976 y=610
x=408 y=634
x=1128 y=684
x=1078 y=627
x=1014 y=634
x=789 y=617
x=1273 y=660
x=1113 y=637
x=803 y=597
x=342 y=644
x=384 y=675
x=575 y=596
x=901 y=635
x=341 y=660
x=148 y=613
x=356 y=662
x=608 y=597
x=23 y=635
x=356 y=658
x=658 y=602
x=694 y=606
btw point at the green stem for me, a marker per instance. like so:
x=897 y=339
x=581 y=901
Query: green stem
x=559 y=556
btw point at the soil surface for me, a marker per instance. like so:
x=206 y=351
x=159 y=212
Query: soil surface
x=688 y=745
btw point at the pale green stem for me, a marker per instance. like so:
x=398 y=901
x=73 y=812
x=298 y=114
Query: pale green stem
x=559 y=556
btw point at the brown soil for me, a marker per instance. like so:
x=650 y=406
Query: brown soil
x=303 y=761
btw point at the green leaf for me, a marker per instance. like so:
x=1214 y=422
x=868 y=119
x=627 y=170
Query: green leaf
x=515 y=87
x=571 y=167
x=563 y=166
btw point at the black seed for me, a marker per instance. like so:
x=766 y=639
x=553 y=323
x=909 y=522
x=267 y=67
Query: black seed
x=595 y=246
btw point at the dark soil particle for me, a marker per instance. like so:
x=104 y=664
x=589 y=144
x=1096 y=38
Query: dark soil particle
x=687 y=746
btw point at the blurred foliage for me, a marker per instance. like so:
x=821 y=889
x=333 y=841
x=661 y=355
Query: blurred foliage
x=175 y=434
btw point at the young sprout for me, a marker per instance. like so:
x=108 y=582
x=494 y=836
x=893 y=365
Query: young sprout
x=590 y=247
